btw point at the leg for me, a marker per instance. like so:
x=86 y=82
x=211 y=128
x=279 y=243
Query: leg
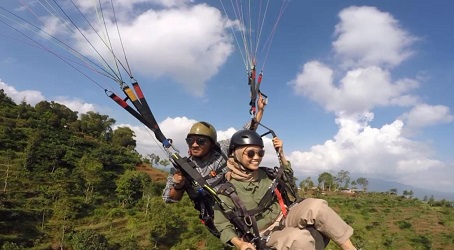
x=291 y=238
x=316 y=212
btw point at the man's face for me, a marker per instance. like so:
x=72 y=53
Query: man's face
x=199 y=145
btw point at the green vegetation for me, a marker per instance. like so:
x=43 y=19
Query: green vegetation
x=71 y=182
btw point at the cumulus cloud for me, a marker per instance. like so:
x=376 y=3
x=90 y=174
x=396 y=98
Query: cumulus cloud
x=76 y=104
x=31 y=97
x=376 y=152
x=423 y=115
x=359 y=90
x=187 y=43
x=368 y=44
x=367 y=36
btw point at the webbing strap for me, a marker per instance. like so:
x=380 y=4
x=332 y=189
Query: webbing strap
x=189 y=168
x=281 y=202
x=248 y=218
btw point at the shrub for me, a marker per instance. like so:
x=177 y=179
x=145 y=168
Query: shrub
x=404 y=224
x=422 y=240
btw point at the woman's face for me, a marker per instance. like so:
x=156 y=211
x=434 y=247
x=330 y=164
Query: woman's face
x=250 y=156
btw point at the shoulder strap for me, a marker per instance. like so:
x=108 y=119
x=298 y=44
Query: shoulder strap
x=241 y=217
x=233 y=215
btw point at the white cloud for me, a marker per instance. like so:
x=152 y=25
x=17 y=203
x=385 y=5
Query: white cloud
x=187 y=43
x=358 y=91
x=366 y=36
x=367 y=42
x=31 y=97
x=424 y=115
x=76 y=104
x=173 y=128
x=379 y=152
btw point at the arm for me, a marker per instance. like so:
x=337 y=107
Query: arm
x=261 y=103
x=173 y=191
x=279 y=145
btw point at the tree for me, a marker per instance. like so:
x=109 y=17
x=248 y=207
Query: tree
x=54 y=114
x=325 y=181
x=343 y=178
x=156 y=160
x=165 y=220
x=431 y=201
x=131 y=186
x=408 y=194
x=96 y=125
x=6 y=103
x=307 y=184
x=89 y=240
x=363 y=182
x=91 y=171
x=124 y=137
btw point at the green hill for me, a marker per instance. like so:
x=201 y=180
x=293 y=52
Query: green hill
x=383 y=221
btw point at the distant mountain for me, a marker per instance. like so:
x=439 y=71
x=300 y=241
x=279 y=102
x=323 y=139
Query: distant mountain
x=378 y=185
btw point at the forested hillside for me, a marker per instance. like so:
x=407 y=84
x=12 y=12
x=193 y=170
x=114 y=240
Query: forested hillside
x=71 y=182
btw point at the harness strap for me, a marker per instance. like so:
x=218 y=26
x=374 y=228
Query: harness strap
x=189 y=168
x=281 y=202
x=249 y=220
x=235 y=215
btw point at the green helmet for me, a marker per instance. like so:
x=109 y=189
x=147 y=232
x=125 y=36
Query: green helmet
x=203 y=128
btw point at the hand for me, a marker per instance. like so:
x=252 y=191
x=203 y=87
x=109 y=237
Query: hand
x=178 y=179
x=261 y=102
x=278 y=144
x=247 y=246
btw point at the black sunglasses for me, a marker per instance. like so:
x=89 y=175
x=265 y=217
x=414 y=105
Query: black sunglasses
x=199 y=140
x=251 y=153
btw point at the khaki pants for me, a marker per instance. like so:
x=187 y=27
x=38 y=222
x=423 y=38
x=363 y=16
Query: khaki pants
x=309 y=212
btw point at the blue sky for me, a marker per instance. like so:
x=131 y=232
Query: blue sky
x=363 y=86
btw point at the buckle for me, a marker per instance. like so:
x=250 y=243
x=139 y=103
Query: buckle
x=248 y=220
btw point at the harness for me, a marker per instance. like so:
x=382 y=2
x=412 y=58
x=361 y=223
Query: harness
x=245 y=220
x=203 y=201
x=284 y=191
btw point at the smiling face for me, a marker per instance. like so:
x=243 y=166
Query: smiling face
x=250 y=156
x=199 y=146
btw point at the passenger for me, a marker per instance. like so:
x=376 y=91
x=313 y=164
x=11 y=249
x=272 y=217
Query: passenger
x=279 y=228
